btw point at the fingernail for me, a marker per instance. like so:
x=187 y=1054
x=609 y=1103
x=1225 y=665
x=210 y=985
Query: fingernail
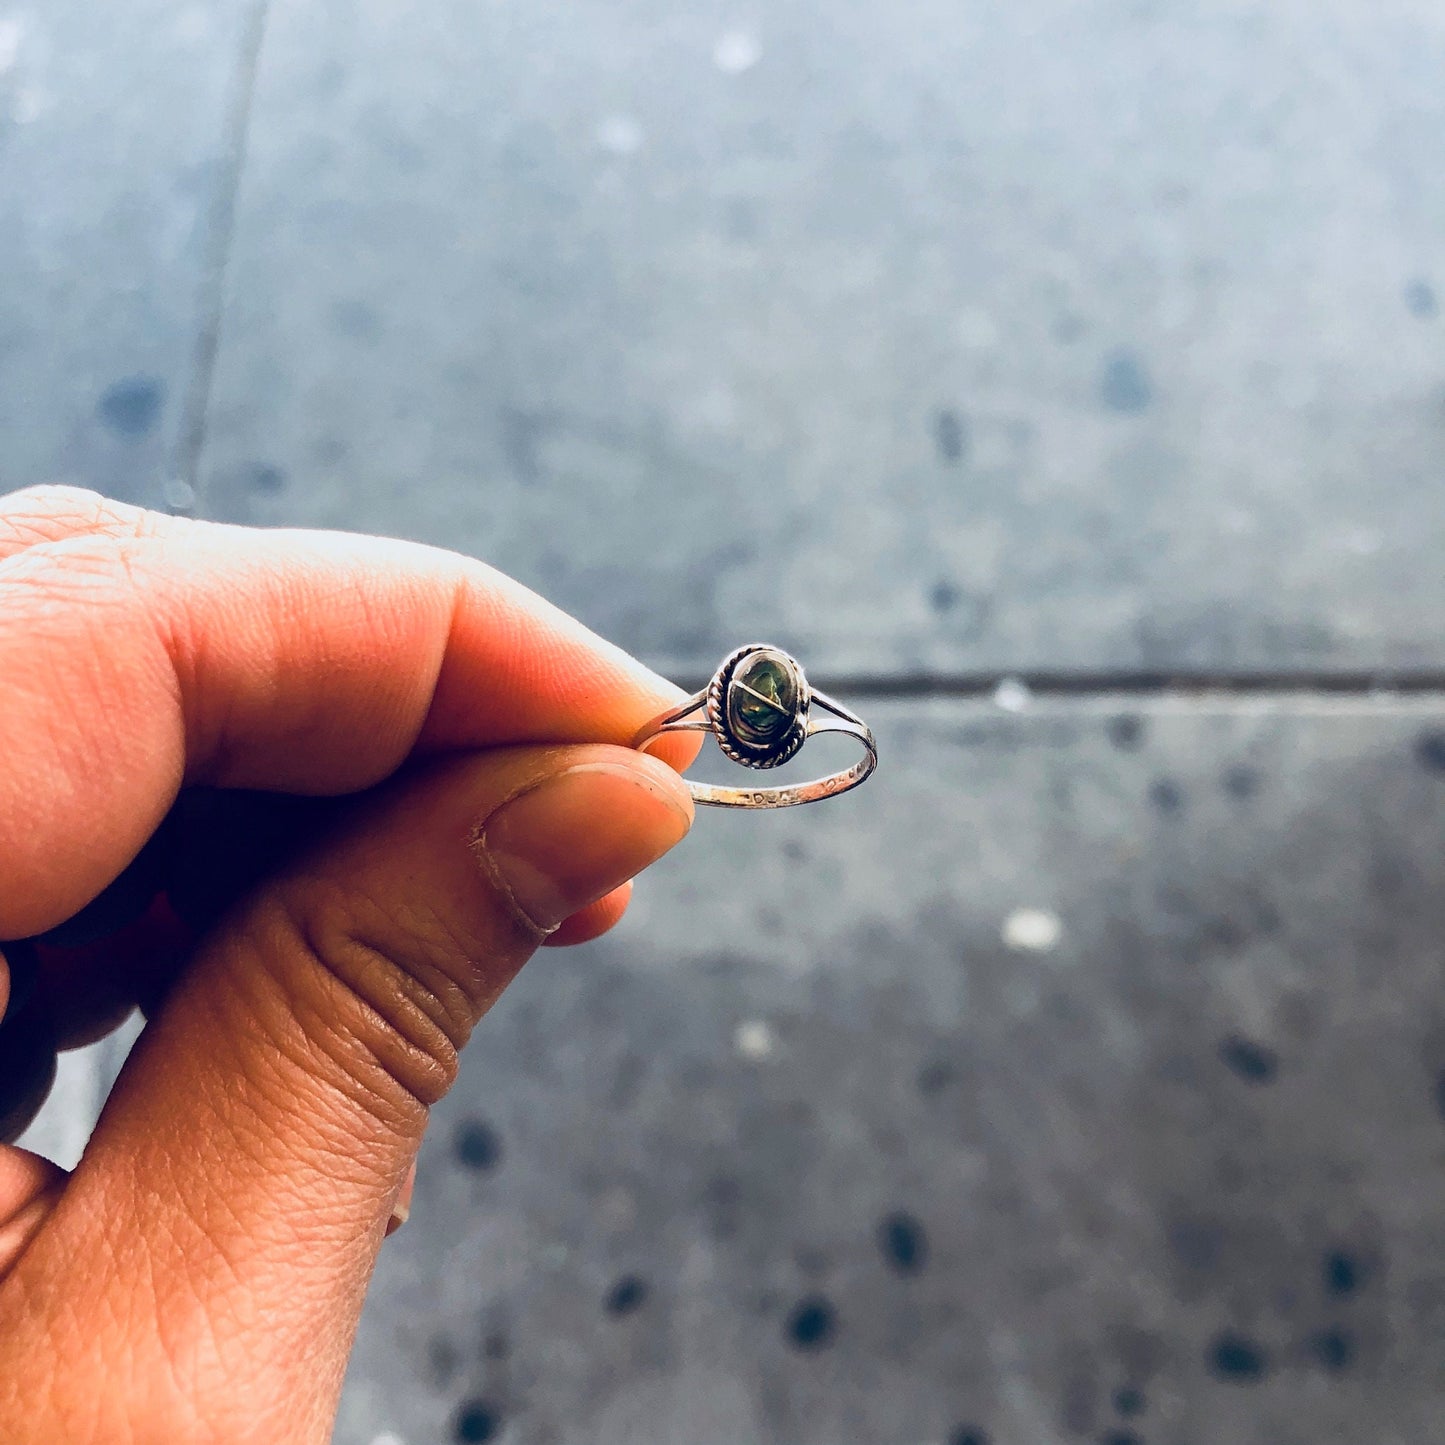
x=20 y=957
x=401 y=1210
x=575 y=836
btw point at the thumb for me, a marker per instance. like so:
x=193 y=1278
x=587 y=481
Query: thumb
x=209 y=1256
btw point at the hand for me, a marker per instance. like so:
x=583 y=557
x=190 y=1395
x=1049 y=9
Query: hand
x=200 y=1274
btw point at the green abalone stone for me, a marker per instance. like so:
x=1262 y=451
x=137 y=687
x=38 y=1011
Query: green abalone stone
x=762 y=699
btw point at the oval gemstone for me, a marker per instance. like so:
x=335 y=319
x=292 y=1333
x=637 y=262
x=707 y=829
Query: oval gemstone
x=762 y=699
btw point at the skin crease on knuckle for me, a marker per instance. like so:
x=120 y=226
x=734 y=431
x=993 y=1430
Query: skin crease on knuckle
x=345 y=1010
x=390 y=987
x=48 y=512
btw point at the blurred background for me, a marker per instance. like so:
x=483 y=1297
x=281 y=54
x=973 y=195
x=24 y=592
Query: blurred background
x=1063 y=381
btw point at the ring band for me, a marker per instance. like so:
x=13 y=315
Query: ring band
x=759 y=708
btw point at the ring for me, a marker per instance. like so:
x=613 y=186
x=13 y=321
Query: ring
x=758 y=706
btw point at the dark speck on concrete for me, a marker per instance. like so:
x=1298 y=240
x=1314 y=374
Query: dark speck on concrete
x=722 y=1201
x=1334 y=1350
x=1068 y=328
x=1080 y=1405
x=329 y=451
x=443 y=1359
x=1124 y=384
x=131 y=407
x=1126 y=732
x=1196 y=1243
x=1128 y=1401
x=266 y=477
x=626 y=1296
x=1440 y=1093
x=812 y=1324
x=477 y=1145
x=1430 y=751
x=1342 y=1273
x=1420 y=299
x=968 y=1435
x=943 y=597
x=1237 y=1358
x=1120 y=1437
x=1252 y=1062
x=1226 y=933
x=1241 y=782
x=935 y=1076
x=903 y=1242
x=477 y=1422
x=496 y=1346
x=356 y=318
x=1167 y=796
x=950 y=435
x=742 y=220
x=521 y=433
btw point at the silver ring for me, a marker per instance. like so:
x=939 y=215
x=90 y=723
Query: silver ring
x=759 y=708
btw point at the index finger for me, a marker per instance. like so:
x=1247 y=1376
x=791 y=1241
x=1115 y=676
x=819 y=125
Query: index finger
x=154 y=651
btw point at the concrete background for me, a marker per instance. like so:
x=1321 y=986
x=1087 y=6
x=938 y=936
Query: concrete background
x=1082 y=1077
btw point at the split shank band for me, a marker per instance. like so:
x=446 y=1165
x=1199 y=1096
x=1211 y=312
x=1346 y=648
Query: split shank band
x=759 y=707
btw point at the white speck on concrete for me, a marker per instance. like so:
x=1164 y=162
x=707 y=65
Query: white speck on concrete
x=180 y=495
x=754 y=1040
x=29 y=105
x=1178 y=307
x=617 y=1209
x=714 y=409
x=387 y=1438
x=193 y=25
x=620 y=134
x=1363 y=542
x=1298 y=390
x=977 y=330
x=736 y=52
x=1012 y=695
x=1032 y=930
x=554 y=1256
x=12 y=32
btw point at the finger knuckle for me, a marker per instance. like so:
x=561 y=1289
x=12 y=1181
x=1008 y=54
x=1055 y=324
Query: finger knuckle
x=52 y=511
x=368 y=991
